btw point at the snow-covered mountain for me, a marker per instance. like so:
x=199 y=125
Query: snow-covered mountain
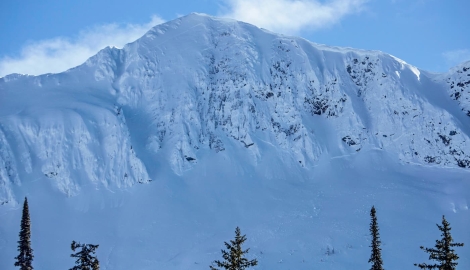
x=223 y=124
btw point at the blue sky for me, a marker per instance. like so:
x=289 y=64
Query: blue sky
x=54 y=35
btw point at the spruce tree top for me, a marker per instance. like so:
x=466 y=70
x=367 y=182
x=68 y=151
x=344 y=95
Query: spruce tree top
x=376 y=254
x=234 y=255
x=442 y=253
x=25 y=257
x=85 y=259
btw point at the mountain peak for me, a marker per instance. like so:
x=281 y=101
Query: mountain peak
x=205 y=116
x=217 y=82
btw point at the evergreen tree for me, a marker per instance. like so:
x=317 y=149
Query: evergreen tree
x=234 y=255
x=25 y=258
x=85 y=259
x=442 y=252
x=376 y=255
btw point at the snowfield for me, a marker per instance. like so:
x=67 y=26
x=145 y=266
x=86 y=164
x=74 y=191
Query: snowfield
x=157 y=151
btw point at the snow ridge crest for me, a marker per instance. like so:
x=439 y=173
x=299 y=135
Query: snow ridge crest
x=201 y=84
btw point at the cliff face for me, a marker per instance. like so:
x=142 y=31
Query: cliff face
x=204 y=83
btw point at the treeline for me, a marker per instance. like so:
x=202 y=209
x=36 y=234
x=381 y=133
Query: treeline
x=233 y=256
x=83 y=252
x=443 y=253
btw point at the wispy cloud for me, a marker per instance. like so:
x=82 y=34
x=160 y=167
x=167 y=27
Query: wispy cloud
x=456 y=57
x=292 y=16
x=59 y=54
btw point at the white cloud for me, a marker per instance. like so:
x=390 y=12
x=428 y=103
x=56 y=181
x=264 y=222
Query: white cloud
x=292 y=16
x=59 y=54
x=456 y=57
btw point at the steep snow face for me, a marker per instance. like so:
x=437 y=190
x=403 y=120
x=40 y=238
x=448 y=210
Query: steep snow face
x=458 y=85
x=202 y=82
x=245 y=85
x=233 y=126
x=66 y=133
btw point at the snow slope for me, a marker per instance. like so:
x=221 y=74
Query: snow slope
x=224 y=124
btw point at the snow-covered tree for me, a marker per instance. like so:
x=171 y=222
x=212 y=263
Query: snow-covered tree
x=376 y=255
x=234 y=255
x=442 y=252
x=25 y=259
x=85 y=259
